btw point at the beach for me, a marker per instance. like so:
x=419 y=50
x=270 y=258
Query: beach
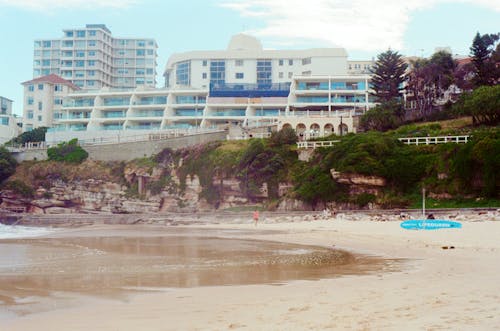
x=445 y=279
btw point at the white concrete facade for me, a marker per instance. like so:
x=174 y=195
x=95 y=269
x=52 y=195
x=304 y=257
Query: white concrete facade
x=91 y=58
x=43 y=101
x=246 y=62
x=8 y=123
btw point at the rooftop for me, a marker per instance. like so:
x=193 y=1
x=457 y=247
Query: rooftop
x=53 y=79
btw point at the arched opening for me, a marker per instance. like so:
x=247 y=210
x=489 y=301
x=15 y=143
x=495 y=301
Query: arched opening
x=328 y=129
x=314 y=130
x=301 y=131
x=286 y=126
x=343 y=129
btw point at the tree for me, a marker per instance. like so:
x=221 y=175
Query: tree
x=484 y=105
x=68 y=152
x=482 y=49
x=388 y=76
x=383 y=117
x=428 y=80
x=7 y=164
x=35 y=135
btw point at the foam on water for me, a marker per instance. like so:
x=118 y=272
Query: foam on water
x=17 y=231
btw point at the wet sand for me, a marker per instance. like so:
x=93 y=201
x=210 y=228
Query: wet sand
x=424 y=287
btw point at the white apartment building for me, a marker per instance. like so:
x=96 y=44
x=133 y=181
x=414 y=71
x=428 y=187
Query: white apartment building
x=43 y=100
x=8 y=123
x=246 y=62
x=91 y=58
x=243 y=87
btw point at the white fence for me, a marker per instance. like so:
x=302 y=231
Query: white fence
x=434 y=140
x=316 y=144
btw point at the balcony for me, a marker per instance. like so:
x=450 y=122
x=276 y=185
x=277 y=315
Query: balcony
x=116 y=101
x=155 y=113
x=159 y=100
x=250 y=90
x=189 y=112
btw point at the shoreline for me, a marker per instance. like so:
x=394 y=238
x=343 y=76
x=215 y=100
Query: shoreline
x=436 y=289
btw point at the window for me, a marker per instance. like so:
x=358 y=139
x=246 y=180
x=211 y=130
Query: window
x=150 y=52
x=239 y=75
x=58 y=87
x=218 y=72
x=67 y=53
x=140 y=72
x=307 y=60
x=58 y=101
x=79 y=63
x=264 y=72
x=69 y=34
x=141 y=43
x=91 y=53
x=31 y=88
x=280 y=75
x=183 y=73
x=90 y=82
x=40 y=105
x=45 y=63
x=40 y=87
x=139 y=81
x=204 y=75
x=149 y=71
x=39 y=118
x=36 y=62
x=80 y=54
x=290 y=74
x=140 y=52
x=204 y=63
x=91 y=63
x=91 y=43
x=67 y=43
x=92 y=33
x=238 y=63
x=80 y=34
x=280 y=62
x=290 y=62
x=46 y=43
x=30 y=114
x=91 y=73
x=29 y=101
x=38 y=44
x=79 y=73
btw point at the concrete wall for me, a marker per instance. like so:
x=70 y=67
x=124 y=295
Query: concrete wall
x=30 y=155
x=132 y=150
x=129 y=150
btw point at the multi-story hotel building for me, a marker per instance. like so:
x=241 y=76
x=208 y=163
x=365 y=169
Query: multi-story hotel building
x=43 y=100
x=8 y=123
x=91 y=58
x=246 y=62
x=243 y=87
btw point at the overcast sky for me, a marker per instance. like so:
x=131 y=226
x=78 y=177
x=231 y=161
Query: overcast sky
x=363 y=27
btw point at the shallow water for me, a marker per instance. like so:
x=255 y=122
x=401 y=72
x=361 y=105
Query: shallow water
x=111 y=265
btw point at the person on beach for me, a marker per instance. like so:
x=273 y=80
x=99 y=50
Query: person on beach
x=255 y=217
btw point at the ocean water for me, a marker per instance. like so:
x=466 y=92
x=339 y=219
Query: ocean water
x=17 y=231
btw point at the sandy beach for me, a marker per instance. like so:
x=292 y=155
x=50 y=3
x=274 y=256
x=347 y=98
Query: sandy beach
x=447 y=279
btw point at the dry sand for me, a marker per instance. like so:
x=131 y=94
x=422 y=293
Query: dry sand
x=437 y=289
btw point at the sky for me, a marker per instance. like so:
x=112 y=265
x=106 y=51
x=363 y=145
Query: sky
x=363 y=27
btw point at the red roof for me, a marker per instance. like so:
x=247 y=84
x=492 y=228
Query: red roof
x=52 y=78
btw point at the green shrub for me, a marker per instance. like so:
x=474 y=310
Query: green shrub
x=7 y=164
x=19 y=187
x=67 y=152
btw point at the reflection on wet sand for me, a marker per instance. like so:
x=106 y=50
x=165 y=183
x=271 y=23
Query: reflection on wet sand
x=112 y=265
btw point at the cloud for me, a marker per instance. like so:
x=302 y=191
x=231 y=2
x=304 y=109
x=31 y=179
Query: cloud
x=364 y=25
x=50 y=5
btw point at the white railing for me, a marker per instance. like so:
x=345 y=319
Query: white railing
x=27 y=146
x=164 y=135
x=316 y=144
x=434 y=140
